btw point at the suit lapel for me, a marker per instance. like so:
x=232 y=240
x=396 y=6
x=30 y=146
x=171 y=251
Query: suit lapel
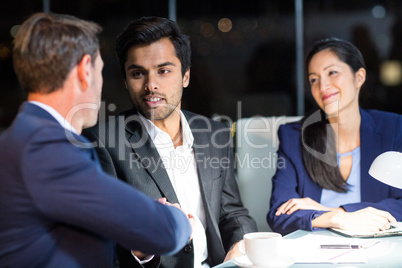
x=146 y=152
x=204 y=173
x=201 y=149
x=370 y=148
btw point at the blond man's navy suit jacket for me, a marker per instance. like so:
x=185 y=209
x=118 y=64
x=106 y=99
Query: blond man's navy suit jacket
x=59 y=209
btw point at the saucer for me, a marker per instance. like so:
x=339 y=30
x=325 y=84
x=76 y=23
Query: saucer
x=280 y=262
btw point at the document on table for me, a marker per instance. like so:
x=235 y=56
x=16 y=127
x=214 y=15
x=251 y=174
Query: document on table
x=396 y=230
x=307 y=249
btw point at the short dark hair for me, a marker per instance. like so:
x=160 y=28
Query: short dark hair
x=48 y=46
x=147 y=30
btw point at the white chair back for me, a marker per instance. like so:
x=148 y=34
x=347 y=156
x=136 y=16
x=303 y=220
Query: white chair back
x=256 y=157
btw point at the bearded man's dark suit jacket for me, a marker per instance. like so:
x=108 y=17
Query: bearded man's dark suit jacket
x=127 y=152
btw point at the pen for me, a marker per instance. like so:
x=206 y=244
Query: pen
x=349 y=246
x=340 y=246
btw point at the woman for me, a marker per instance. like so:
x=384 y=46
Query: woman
x=324 y=181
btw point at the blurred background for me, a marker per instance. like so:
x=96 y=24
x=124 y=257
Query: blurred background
x=244 y=60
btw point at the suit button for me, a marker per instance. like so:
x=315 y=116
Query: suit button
x=187 y=249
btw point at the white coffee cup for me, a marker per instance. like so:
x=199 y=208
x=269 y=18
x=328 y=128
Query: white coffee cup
x=262 y=247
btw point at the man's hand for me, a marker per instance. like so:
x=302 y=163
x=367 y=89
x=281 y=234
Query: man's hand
x=164 y=201
x=139 y=254
x=190 y=217
x=233 y=252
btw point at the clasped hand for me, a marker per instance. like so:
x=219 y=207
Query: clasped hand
x=367 y=219
x=140 y=255
x=295 y=204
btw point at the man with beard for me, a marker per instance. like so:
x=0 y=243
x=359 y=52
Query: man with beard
x=172 y=154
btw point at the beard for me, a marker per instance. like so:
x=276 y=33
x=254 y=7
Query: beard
x=162 y=111
x=159 y=113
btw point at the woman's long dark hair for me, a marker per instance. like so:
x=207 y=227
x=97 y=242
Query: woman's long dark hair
x=318 y=138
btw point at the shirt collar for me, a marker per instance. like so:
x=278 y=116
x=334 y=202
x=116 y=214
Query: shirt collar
x=59 y=118
x=153 y=131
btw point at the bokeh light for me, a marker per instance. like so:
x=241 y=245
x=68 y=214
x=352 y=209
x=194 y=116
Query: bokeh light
x=378 y=12
x=225 y=25
x=391 y=73
x=207 y=30
x=4 y=52
x=236 y=38
x=14 y=30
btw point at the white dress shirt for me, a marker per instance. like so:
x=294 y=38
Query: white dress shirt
x=181 y=167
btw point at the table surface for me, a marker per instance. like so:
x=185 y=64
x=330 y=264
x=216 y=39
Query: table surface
x=391 y=257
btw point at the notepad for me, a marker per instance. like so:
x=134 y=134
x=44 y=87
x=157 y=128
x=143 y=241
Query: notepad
x=360 y=234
